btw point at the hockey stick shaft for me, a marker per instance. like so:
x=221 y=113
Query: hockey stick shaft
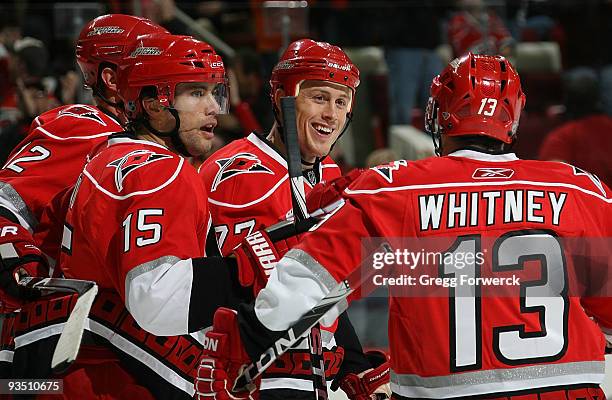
x=69 y=341
x=300 y=212
x=294 y=158
x=335 y=298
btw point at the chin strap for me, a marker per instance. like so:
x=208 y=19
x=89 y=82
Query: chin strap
x=173 y=134
x=96 y=92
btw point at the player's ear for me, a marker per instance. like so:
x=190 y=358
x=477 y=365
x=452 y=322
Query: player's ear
x=152 y=107
x=109 y=77
x=277 y=96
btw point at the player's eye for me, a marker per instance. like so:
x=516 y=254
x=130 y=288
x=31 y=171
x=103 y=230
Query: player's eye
x=319 y=98
x=198 y=93
x=342 y=103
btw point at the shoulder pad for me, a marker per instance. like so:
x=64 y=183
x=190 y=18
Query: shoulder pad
x=241 y=174
x=586 y=180
x=76 y=121
x=129 y=170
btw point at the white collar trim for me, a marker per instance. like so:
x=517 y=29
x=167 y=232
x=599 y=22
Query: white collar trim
x=477 y=155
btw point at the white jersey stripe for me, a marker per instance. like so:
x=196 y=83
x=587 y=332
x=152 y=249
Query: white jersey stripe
x=250 y=203
x=99 y=135
x=120 y=343
x=478 y=185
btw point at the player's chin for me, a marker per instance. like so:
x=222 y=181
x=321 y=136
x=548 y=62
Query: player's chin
x=199 y=146
x=322 y=146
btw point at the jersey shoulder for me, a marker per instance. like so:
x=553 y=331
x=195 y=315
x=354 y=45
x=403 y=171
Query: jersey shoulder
x=128 y=168
x=381 y=176
x=570 y=176
x=243 y=173
x=75 y=121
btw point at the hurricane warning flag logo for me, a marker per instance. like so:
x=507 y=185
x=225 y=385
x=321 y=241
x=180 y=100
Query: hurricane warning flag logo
x=241 y=163
x=386 y=170
x=131 y=161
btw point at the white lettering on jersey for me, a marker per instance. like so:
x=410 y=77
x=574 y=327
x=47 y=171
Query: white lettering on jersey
x=430 y=210
x=6 y=230
x=515 y=205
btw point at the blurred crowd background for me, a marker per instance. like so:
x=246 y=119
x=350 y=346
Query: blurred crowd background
x=562 y=50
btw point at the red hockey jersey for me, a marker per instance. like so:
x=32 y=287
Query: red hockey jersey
x=51 y=157
x=448 y=340
x=137 y=218
x=248 y=188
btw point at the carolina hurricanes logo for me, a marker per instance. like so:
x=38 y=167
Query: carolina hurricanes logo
x=82 y=111
x=386 y=170
x=241 y=163
x=131 y=161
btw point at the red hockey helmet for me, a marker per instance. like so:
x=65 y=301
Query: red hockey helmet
x=105 y=40
x=163 y=61
x=306 y=59
x=476 y=95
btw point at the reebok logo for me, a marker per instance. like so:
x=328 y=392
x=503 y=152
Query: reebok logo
x=492 y=173
x=262 y=250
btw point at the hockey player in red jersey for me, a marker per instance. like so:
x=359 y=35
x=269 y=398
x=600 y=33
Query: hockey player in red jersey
x=137 y=224
x=248 y=188
x=540 y=339
x=54 y=151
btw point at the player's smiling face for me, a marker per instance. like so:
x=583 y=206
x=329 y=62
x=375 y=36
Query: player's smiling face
x=321 y=112
x=198 y=114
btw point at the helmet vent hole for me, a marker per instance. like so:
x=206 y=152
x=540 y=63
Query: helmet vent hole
x=503 y=85
x=197 y=64
x=507 y=101
x=450 y=86
x=502 y=65
x=473 y=83
x=464 y=111
x=467 y=96
x=473 y=62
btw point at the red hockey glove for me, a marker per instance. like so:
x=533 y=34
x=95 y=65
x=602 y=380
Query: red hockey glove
x=372 y=383
x=19 y=257
x=223 y=360
x=327 y=193
x=257 y=256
